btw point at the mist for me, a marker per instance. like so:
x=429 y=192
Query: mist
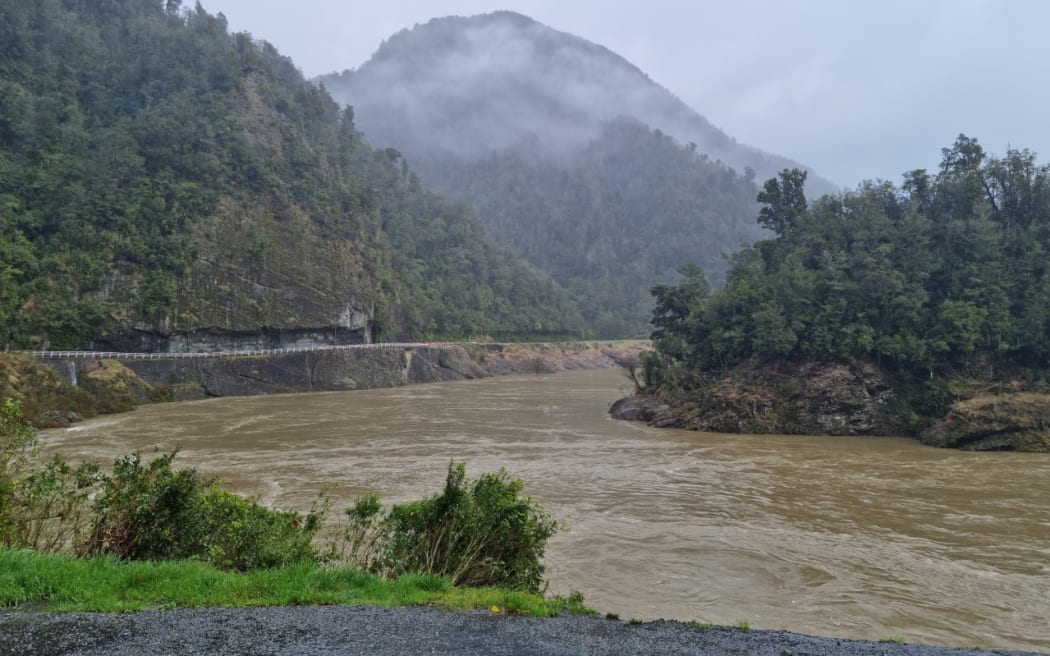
x=468 y=87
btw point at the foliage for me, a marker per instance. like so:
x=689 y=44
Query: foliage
x=476 y=533
x=946 y=274
x=147 y=511
x=242 y=535
x=619 y=216
x=42 y=505
x=161 y=175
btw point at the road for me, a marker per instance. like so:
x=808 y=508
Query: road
x=352 y=630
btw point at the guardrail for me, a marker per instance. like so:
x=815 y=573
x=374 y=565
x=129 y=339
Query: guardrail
x=119 y=355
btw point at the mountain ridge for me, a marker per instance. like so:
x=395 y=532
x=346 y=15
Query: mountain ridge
x=571 y=155
x=463 y=40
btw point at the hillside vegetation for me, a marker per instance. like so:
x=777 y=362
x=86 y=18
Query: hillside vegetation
x=943 y=279
x=158 y=174
x=571 y=155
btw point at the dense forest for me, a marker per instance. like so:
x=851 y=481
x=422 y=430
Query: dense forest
x=571 y=155
x=622 y=213
x=946 y=275
x=158 y=173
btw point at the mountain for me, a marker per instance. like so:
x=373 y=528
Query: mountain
x=167 y=185
x=546 y=134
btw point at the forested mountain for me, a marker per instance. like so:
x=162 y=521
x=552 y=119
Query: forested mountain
x=945 y=276
x=571 y=154
x=159 y=175
x=623 y=213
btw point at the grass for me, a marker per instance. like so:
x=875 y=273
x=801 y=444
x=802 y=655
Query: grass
x=104 y=584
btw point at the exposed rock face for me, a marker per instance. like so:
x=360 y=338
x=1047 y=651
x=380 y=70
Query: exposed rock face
x=205 y=340
x=811 y=398
x=639 y=407
x=304 y=372
x=1009 y=422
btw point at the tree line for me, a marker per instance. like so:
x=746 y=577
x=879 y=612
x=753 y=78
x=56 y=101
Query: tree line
x=946 y=274
x=126 y=124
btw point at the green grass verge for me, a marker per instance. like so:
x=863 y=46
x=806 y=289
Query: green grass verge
x=62 y=583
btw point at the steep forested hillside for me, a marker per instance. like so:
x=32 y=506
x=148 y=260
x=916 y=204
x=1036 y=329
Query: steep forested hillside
x=160 y=175
x=622 y=213
x=572 y=155
x=944 y=277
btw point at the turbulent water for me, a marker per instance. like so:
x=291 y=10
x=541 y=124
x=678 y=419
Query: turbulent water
x=873 y=538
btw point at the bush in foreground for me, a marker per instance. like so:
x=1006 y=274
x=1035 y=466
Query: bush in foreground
x=148 y=511
x=476 y=533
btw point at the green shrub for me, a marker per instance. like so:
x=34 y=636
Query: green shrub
x=18 y=449
x=243 y=535
x=476 y=533
x=42 y=506
x=147 y=511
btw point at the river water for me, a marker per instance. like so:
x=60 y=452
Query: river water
x=876 y=538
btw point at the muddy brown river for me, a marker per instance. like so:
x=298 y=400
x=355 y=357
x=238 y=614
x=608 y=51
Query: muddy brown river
x=875 y=538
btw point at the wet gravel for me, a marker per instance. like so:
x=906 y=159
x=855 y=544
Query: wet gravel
x=324 y=630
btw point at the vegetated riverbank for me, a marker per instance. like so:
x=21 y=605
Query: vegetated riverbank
x=851 y=397
x=63 y=583
x=59 y=392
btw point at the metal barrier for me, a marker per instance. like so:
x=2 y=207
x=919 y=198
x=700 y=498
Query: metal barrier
x=118 y=355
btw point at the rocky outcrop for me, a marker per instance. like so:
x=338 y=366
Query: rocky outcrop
x=49 y=400
x=795 y=398
x=639 y=407
x=213 y=339
x=308 y=371
x=1007 y=422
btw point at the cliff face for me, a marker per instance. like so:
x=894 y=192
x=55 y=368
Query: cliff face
x=312 y=371
x=809 y=398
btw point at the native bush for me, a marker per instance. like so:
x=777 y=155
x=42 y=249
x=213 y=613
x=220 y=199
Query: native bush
x=43 y=506
x=148 y=511
x=476 y=533
x=242 y=535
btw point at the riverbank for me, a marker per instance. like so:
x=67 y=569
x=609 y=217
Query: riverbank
x=851 y=397
x=340 y=630
x=59 y=392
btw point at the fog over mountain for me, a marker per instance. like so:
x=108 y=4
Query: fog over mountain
x=569 y=153
x=467 y=87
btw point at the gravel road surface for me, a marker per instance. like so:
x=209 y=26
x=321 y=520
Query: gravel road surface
x=324 y=630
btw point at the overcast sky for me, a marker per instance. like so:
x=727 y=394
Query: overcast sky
x=857 y=89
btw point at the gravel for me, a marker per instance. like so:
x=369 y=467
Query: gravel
x=324 y=630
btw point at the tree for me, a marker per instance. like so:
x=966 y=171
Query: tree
x=785 y=201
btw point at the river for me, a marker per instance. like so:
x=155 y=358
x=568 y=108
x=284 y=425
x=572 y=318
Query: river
x=874 y=538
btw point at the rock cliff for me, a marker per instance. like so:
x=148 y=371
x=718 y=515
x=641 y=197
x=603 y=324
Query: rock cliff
x=811 y=398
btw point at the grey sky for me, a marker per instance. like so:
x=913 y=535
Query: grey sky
x=854 y=88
